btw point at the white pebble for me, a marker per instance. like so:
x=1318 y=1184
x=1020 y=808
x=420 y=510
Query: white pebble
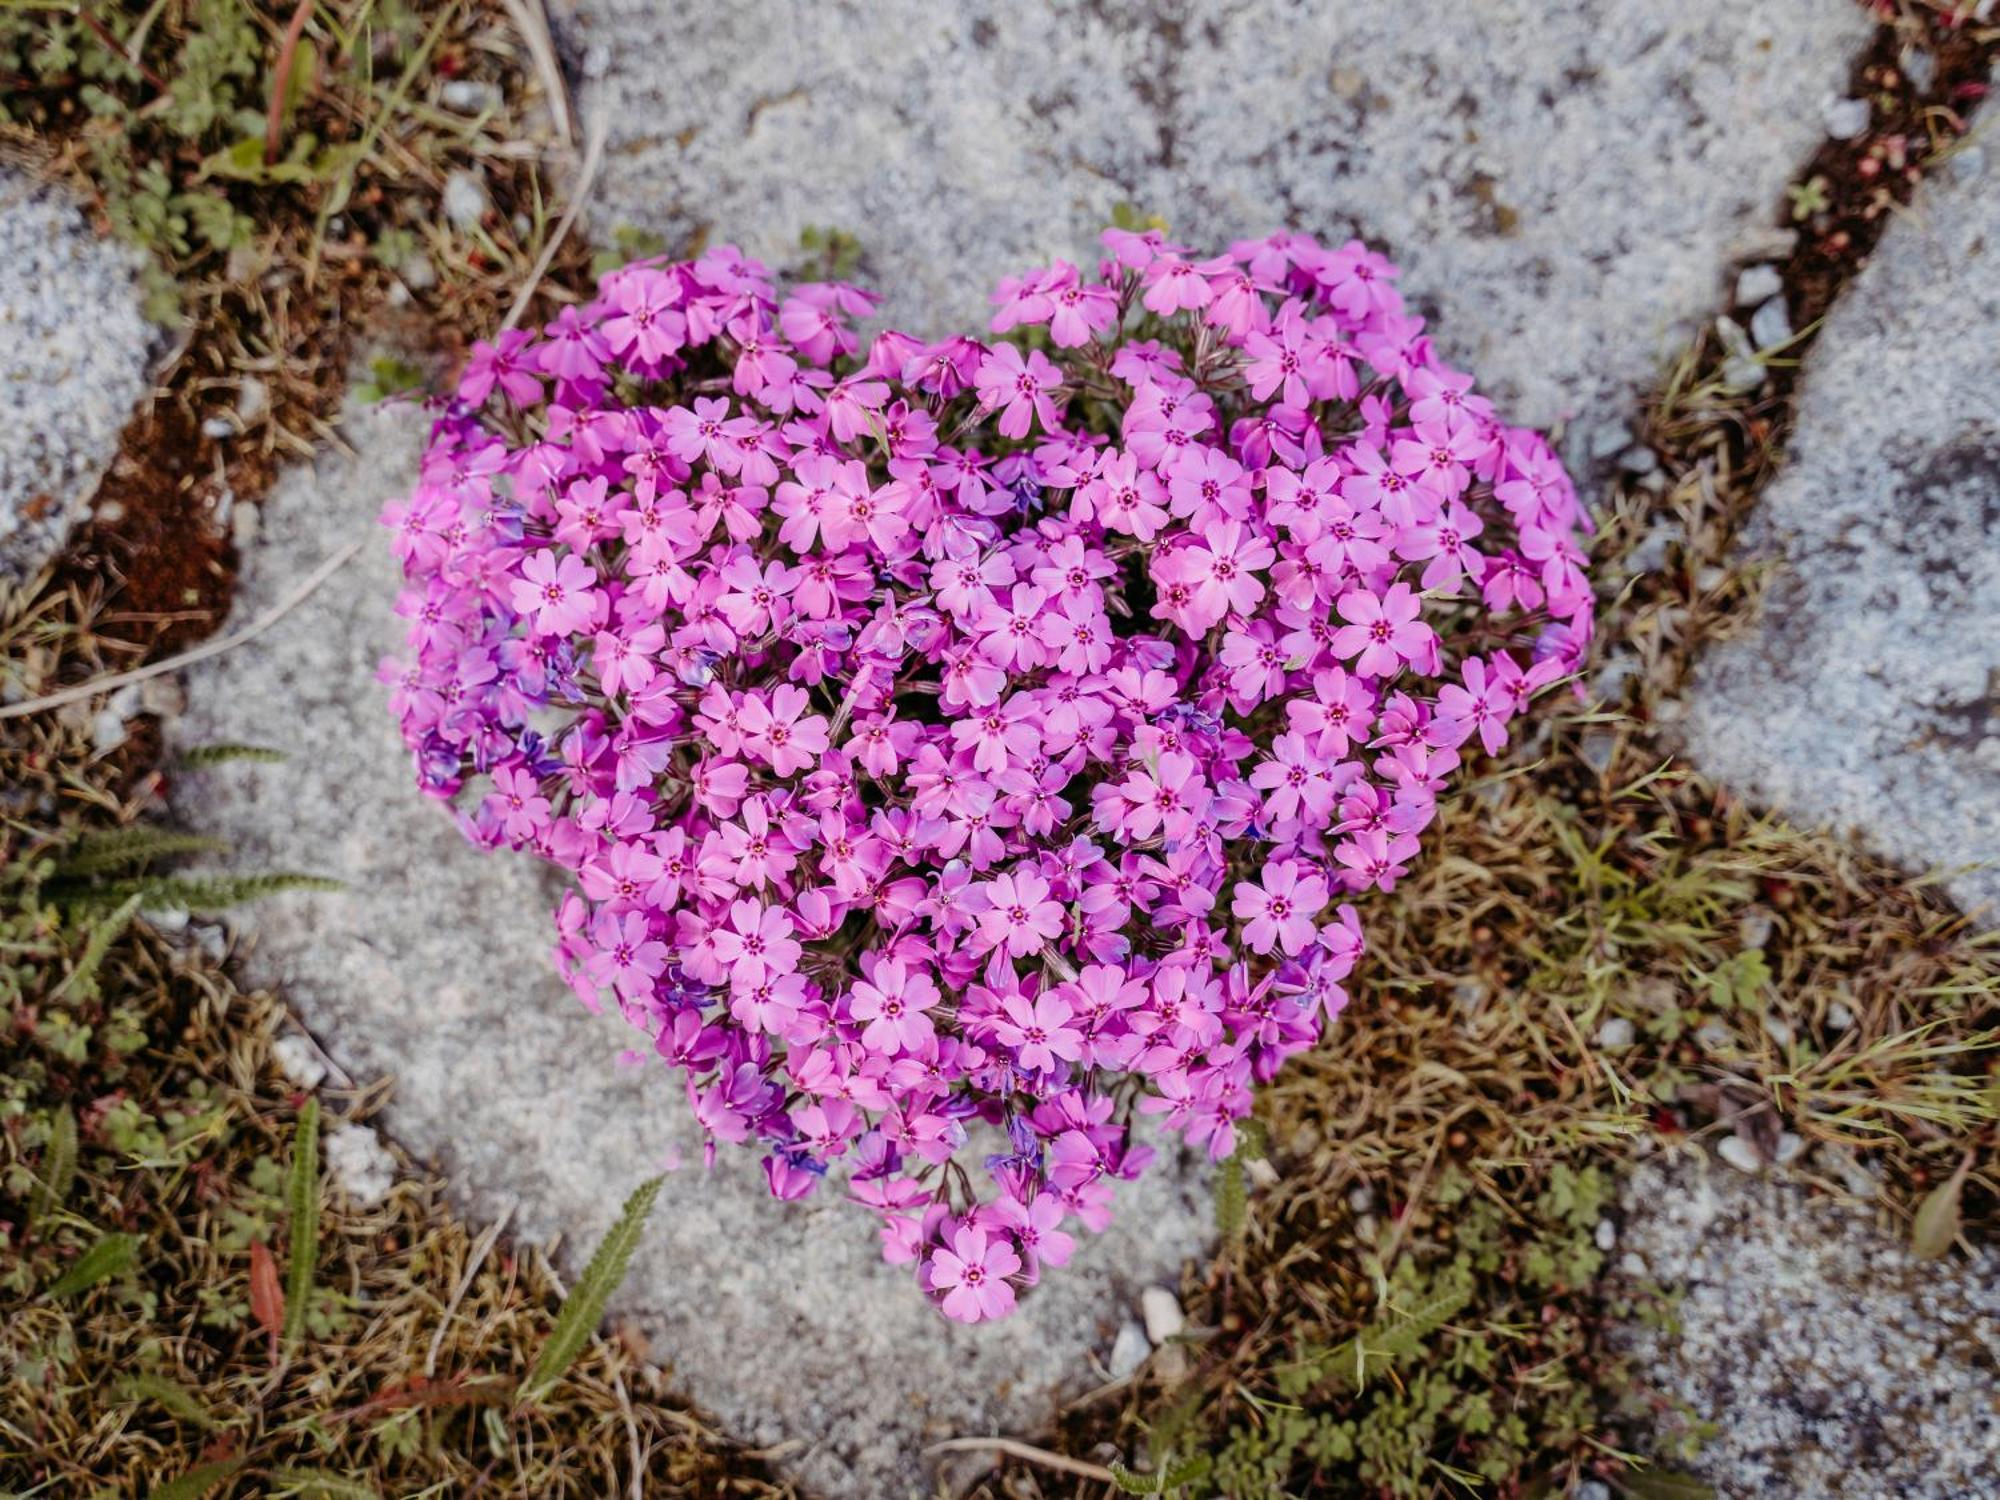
x=1713 y=1036
x=358 y=1161
x=1740 y=1154
x=1606 y=1234
x=1844 y=118
x=1771 y=324
x=1162 y=1312
x=1789 y=1147
x=298 y=1059
x=465 y=198
x=1838 y=1016
x=1129 y=1349
x=1361 y=1198
x=469 y=96
x=1616 y=1033
x=1758 y=284
x=1261 y=1173
x=1592 y=1489
x=1777 y=1029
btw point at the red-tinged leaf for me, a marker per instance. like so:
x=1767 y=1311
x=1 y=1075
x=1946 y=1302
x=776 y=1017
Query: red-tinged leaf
x=267 y=1293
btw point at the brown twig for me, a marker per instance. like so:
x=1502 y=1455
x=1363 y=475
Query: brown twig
x=1027 y=1453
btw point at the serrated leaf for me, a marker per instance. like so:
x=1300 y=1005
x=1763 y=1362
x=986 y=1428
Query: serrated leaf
x=199 y=1480
x=1231 y=1201
x=1936 y=1225
x=302 y=1227
x=1130 y=1483
x=201 y=757
x=103 y=933
x=58 y=1172
x=583 y=1309
x=1665 y=1484
x=326 y=1483
x=109 y=1256
x=161 y=1391
x=122 y=848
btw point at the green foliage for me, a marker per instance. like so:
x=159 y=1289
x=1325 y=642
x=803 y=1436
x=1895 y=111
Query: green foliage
x=199 y=1480
x=110 y=1256
x=302 y=1225
x=583 y=1309
x=388 y=376
x=832 y=254
x=1231 y=1201
x=628 y=243
x=129 y=848
x=1741 y=983
x=203 y=757
x=170 y=1394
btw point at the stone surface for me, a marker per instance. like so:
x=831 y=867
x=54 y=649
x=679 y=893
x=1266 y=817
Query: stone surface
x=1865 y=696
x=74 y=349
x=1829 y=1359
x=433 y=966
x=1563 y=180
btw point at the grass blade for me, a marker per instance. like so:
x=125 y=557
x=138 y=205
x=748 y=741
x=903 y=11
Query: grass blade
x=106 y=1258
x=324 y=1483
x=302 y=1199
x=201 y=757
x=583 y=1309
x=102 y=935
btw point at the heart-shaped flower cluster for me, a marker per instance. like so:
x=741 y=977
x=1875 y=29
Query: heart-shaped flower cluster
x=961 y=746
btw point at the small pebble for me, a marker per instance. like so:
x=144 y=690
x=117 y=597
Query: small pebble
x=1261 y=1173
x=1361 y=1199
x=1838 y=1016
x=1596 y=749
x=1616 y=1033
x=253 y=399
x=1777 y=1029
x=1713 y=1036
x=1638 y=459
x=1844 y=118
x=418 y=274
x=1592 y=1489
x=466 y=200
x=1162 y=1311
x=1755 y=284
x=359 y=1163
x=217 y=427
x=1771 y=325
x=1612 y=437
x=1632 y=1263
x=1129 y=1349
x=1367 y=1227
x=1606 y=1235
x=298 y=1060
x=1920 y=67
x=1734 y=339
x=1789 y=1147
x=1754 y=927
x=470 y=96
x=1740 y=1154
x=1741 y=374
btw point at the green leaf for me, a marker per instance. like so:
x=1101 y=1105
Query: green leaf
x=302 y=1200
x=1130 y=1483
x=110 y=1255
x=205 y=892
x=583 y=1309
x=1937 y=1223
x=325 y=1483
x=199 y=1480
x=102 y=935
x=58 y=1172
x=201 y=757
x=1665 y=1484
x=171 y=1394
x=125 y=848
x=1231 y=1201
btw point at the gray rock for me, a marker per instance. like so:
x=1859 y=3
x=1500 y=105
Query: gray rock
x=74 y=351
x=1828 y=1358
x=1561 y=179
x=433 y=966
x=1865 y=695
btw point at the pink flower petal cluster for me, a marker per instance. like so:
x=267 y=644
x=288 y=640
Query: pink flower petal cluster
x=963 y=748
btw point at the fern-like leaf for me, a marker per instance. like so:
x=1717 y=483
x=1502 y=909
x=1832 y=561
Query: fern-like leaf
x=324 y=1483
x=1231 y=1201
x=97 y=946
x=201 y=757
x=583 y=1309
x=58 y=1166
x=205 y=892
x=110 y=1255
x=302 y=1200
x=127 y=848
x=171 y=1394
x=199 y=1480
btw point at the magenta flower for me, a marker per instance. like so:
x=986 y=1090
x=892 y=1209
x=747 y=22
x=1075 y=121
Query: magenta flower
x=973 y=1274
x=905 y=732
x=1020 y=388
